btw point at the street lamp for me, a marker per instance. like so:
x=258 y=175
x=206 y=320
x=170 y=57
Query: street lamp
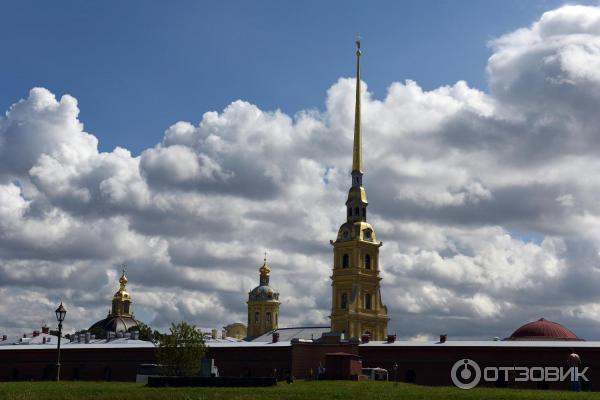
x=395 y=374
x=60 y=317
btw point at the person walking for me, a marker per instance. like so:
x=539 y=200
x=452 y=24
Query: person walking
x=574 y=361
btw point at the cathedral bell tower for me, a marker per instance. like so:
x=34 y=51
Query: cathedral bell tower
x=263 y=305
x=356 y=306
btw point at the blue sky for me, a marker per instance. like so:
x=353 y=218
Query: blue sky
x=136 y=67
x=486 y=198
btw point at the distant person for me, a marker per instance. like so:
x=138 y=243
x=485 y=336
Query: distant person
x=574 y=361
x=310 y=374
x=289 y=378
x=320 y=371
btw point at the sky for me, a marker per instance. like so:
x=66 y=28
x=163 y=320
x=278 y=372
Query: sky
x=185 y=140
x=138 y=66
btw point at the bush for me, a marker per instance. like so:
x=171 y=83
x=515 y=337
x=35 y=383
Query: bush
x=181 y=350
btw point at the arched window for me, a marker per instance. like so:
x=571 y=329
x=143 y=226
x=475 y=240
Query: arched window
x=365 y=212
x=344 y=302
x=368 y=301
x=357 y=211
x=368 y=261
x=268 y=317
x=345 y=261
x=257 y=317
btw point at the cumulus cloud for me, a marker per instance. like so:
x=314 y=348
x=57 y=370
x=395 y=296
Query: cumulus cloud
x=486 y=201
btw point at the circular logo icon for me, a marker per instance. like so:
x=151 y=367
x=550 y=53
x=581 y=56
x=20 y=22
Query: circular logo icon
x=465 y=374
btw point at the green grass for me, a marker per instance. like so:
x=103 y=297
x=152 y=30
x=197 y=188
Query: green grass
x=299 y=390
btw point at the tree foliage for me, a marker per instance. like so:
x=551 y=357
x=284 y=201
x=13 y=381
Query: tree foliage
x=146 y=332
x=180 y=351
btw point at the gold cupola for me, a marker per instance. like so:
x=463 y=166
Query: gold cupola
x=121 y=303
x=264 y=271
x=120 y=317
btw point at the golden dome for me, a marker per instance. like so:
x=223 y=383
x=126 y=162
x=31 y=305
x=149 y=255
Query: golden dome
x=123 y=280
x=264 y=270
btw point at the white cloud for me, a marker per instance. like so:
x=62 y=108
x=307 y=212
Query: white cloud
x=486 y=202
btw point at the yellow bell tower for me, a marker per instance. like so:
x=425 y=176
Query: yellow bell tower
x=356 y=306
x=263 y=305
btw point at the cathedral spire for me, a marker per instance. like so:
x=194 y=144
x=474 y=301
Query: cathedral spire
x=357 y=164
x=265 y=271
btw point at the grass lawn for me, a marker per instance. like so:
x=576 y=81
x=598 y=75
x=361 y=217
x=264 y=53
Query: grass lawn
x=323 y=390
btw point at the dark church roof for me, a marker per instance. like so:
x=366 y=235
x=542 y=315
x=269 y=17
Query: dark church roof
x=114 y=323
x=543 y=329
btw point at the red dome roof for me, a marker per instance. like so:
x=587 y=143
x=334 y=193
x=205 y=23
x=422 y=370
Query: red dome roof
x=543 y=329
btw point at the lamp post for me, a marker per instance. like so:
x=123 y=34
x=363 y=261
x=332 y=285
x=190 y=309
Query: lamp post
x=395 y=374
x=60 y=317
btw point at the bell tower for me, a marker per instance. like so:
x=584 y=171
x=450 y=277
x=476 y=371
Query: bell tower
x=356 y=306
x=263 y=305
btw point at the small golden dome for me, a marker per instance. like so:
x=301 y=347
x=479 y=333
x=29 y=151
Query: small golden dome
x=123 y=280
x=264 y=269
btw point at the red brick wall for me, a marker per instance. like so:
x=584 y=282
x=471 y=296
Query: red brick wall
x=85 y=364
x=308 y=355
x=252 y=361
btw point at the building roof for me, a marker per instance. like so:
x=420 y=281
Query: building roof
x=116 y=323
x=47 y=341
x=453 y=344
x=543 y=329
x=287 y=334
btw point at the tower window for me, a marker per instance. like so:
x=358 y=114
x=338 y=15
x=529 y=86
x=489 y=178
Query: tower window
x=365 y=212
x=345 y=261
x=368 y=301
x=368 y=261
x=357 y=211
x=349 y=211
x=257 y=317
x=344 y=302
x=268 y=317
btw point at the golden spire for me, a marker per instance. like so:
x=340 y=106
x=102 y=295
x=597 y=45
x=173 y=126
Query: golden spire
x=264 y=269
x=123 y=280
x=357 y=164
x=121 y=303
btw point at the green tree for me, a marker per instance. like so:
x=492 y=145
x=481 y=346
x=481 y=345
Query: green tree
x=146 y=332
x=98 y=332
x=181 y=350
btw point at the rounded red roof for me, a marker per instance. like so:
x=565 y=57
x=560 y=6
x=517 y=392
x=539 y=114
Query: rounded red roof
x=542 y=329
